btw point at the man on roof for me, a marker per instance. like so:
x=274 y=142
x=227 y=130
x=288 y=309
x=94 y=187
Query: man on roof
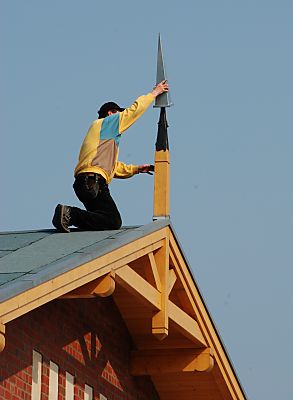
x=98 y=164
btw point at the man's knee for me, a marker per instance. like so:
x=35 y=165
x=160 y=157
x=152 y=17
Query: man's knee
x=116 y=222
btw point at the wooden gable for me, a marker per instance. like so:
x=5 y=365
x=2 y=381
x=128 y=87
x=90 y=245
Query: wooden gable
x=175 y=341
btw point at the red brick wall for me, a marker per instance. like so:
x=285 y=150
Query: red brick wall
x=86 y=338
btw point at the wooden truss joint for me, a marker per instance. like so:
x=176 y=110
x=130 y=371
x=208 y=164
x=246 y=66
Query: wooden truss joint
x=101 y=287
x=150 y=362
x=2 y=336
x=153 y=290
x=163 y=308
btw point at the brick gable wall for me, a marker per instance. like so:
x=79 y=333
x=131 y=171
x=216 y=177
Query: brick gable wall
x=85 y=338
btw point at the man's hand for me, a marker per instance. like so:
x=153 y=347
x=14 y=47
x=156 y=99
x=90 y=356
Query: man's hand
x=146 y=168
x=161 y=87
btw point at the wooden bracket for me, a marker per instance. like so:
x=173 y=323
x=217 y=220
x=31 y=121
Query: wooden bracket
x=2 y=337
x=137 y=286
x=146 y=293
x=150 y=362
x=154 y=293
x=101 y=287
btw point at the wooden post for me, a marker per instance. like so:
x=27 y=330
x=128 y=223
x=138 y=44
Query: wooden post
x=162 y=184
x=160 y=321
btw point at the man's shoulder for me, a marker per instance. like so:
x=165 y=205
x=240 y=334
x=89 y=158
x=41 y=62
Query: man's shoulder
x=94 y=127
x=96 y=123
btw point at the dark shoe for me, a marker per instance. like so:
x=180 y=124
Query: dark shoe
x=61 y=218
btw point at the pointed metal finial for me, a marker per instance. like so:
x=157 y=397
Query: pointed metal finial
x=164 y=100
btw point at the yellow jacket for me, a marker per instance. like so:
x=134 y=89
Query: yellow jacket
x=99 y=151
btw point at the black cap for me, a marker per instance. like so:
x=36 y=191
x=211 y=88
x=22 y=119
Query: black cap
x=103 y=111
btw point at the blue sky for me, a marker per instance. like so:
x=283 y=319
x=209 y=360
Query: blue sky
x=230 y=69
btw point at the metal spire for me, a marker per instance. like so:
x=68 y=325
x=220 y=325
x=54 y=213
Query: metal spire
x=164 y=100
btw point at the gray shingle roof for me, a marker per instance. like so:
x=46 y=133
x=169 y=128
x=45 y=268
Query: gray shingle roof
x=32 y=257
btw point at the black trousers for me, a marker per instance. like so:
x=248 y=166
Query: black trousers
x=101 y=211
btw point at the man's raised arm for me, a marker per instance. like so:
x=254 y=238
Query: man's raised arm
x=131 y=114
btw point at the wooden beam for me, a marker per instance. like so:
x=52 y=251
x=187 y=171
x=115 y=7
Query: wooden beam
x=101 y=287
x=138 y=286
x=150 y=362
x=2 y=336
x=185 y=324
x=160 y=319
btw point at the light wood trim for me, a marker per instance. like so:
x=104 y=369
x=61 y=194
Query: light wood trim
x=101 y=287
x=139 y=287
x=2 y=336
x=162 y=184
x=160 y=321
x=62 y=284
x=185 y=324
x=204 y=321
x=150 y=362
